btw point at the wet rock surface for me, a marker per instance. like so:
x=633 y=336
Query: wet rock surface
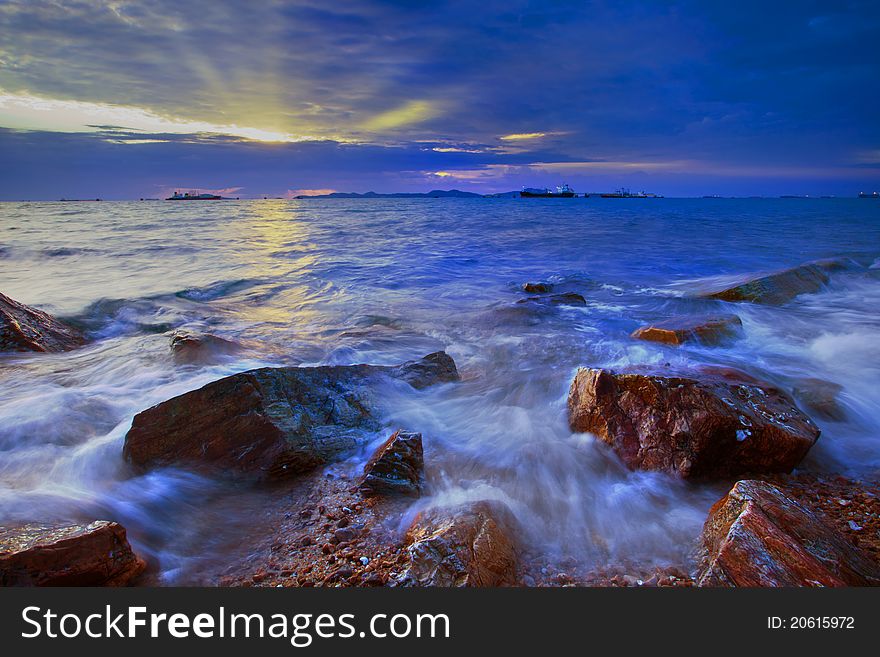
x=710 y=423
x=850 y=506
x=468 y=545
x=779 y=287
x=396 y=467
x=708 y=330
x=97 y=554
x=200 y=348
x=433 y=369
x=23 y=328
x=757 y=535
x=821 y=398
x=565 y=299
x=272 y=422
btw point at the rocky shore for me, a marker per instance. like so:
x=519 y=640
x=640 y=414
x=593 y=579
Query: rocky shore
x=289 y=429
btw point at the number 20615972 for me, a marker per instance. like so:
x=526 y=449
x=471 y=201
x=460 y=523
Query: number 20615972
x=811 y=623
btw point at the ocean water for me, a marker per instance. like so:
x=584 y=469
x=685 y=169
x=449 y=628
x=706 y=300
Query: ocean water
x=381 y=281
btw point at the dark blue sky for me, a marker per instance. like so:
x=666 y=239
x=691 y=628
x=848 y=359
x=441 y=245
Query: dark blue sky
x=128 y=99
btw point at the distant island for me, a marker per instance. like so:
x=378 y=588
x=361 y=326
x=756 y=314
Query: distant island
x=437 y=193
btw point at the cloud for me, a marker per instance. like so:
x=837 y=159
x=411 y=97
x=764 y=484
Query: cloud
x=414 y=111
x=524 y=136
x=29 y=112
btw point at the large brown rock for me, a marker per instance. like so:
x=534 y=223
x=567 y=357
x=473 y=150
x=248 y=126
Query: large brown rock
x=778 y=287
x=67 y=555
x=271 y=422
x=712 y=423
x=467 y=545
x=396 y=467
x=759 y=536
x=708 y=330
x=23 y=328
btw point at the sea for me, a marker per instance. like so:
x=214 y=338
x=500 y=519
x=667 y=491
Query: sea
x=342 y=281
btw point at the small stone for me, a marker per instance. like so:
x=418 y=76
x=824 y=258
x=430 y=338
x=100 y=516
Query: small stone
x=345 y=534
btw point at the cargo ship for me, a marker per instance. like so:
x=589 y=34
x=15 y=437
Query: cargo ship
x=561 y=192
x=192 y=196
x=867 y=195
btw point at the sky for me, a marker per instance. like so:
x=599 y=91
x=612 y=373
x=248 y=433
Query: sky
x=119 y=99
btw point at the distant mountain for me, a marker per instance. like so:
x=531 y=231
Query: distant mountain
x=437 y=193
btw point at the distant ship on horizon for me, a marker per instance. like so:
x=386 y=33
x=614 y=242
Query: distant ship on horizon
x=624 y=192
x=561 y=192
x=869 y=195
x=192 y=196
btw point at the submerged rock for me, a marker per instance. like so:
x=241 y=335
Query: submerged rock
x=566 y=299
x=23 y=328
x=272 y=422
x=467 y=545
x=779 y=287
x=712 y=423
x=708 y=330
x=759 y=536
x=820 y=397
x=537 y=288
x=67 y=555
x=428 y=371
x=193 y=348
x=396 y=467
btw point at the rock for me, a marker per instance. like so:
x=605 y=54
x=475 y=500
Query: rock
x=428 y=371
x=759 y=536
x=709 y=330
x=467 y=545
x=23 y=328
x=779 y=287
x=711 y=423
x=67 y=555
x=396 y=467
x=566 y=299
x=820 y=397
x=537 y=288
x=345 y=534
x=271 y=422
x=191 y=348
